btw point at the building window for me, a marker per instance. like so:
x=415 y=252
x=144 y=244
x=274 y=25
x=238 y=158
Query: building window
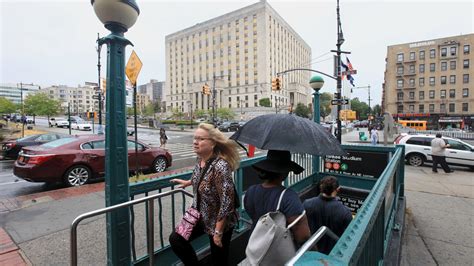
x=433 y=53
x=452 y=65
x=465 y=106
x=400 y=83
x=442 y=108
x=422 y=54
x=444 y=52
x=421 y=82
x=466 y=48
x=400 y=96
x=399 y=57
x=465 y=63
x=432 y=94
x=412 y=69
x=452 y=79
x=431 y=108
x=432 y=67
x=412 y=95
x=465 y=92
x=422 y=68
x=452 y=93
x=452 y=107
x=400 y=109
x=432 y=81
x=442 y=94
x=452 y=50
x=443 y=79
x=400 y=70
x=421 y=95
x=444 y=66
x=465 y=78
x=411 y=108
x=412 y=82
x=412 y=55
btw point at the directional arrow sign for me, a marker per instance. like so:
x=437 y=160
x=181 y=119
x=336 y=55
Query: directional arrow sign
x=340 y=102
x=134 y=65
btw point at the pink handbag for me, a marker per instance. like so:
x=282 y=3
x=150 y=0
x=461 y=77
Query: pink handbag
x=187 y=224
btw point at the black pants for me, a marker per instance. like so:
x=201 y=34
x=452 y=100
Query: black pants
x=185 y=252
x=442 y=161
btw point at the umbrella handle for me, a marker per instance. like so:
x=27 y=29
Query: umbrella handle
x=243 y=147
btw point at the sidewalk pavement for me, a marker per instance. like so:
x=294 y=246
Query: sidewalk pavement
x=439 y=227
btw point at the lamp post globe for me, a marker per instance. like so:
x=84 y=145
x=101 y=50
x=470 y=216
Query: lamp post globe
x=316 y=82
x=117 y=16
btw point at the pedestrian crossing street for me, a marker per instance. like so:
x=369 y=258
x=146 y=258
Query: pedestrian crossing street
x=184 y=151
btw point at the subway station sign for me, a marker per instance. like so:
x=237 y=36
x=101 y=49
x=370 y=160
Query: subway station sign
x=357 y=163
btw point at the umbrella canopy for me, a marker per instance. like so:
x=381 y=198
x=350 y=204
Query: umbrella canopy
x=288 y=132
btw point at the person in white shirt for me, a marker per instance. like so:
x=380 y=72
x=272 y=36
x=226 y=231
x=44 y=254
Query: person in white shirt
x=438 y=148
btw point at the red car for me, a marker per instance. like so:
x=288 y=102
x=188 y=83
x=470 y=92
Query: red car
x=77 y=159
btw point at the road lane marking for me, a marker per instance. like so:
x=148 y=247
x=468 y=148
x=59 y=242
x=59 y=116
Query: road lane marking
x=11 y=183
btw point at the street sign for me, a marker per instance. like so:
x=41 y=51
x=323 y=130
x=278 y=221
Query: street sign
x=350 y=72
x=340 y=102
x=134 y=65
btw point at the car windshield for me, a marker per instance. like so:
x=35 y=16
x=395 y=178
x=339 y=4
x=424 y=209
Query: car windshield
x=27 y=138
x=58 y=142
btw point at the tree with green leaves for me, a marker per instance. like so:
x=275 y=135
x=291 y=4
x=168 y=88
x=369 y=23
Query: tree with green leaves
x=6 y=106
x=41 y=104
x=199 y=113
x=325 y=103
x=265 y=102
x=177 y=113
x=302 y=110
x=377 y=110
x=361 y=108
x=149 y=109
x=225 y=113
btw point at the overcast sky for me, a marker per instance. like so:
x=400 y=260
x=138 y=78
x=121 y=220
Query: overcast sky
x=53 y=42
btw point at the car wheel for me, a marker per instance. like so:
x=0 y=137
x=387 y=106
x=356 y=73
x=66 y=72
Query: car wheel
x=416 y=159
x=77 y=175
x=159 y=165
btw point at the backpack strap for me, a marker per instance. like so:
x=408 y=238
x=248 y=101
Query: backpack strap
x=281 y=197
x=296 y=220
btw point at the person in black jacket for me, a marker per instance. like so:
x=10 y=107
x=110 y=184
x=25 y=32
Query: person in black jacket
x=326 y=210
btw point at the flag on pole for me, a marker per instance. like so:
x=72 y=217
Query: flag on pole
x=348 y=67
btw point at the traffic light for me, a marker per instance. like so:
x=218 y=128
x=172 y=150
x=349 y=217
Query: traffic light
x=205 y=89
x=276 y=84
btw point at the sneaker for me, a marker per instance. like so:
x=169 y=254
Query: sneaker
x=452 y=171
x=435 y=171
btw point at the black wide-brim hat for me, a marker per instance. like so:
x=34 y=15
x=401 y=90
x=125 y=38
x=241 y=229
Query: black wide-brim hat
x=278 y=162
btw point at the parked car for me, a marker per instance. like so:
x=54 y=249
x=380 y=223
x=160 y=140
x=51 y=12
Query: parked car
x=29 y=120
x=418 y=150
x=11 y=148
x=81 y=125
x=76 y=160
x=229 y=126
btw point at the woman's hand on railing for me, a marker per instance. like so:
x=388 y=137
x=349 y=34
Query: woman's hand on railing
x=182 y=183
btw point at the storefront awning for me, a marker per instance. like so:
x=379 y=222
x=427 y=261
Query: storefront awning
x=450 y=121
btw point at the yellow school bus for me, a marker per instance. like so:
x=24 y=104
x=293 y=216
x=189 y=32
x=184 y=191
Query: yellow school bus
x=415 y=124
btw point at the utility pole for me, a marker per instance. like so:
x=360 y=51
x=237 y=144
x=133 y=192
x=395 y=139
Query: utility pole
x=338 y=96
x=368 y=99
x=99 y=91
x=23 y=107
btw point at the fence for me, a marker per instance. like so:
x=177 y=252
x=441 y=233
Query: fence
x=451 y=134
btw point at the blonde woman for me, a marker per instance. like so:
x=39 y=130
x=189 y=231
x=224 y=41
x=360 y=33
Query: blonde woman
x=218 y=157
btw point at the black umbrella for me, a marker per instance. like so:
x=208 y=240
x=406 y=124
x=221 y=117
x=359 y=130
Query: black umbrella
x=288 y=132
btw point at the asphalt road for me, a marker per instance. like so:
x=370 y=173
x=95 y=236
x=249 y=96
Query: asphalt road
x=179 y=145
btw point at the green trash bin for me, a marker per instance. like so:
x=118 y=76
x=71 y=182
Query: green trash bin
x=362 y=136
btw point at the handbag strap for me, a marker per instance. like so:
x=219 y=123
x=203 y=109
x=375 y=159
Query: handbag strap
x=296 y=220
x=281 y=197
x=206 y=167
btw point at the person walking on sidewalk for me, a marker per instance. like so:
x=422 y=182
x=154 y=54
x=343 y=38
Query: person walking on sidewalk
x=163 y=138
x=374 y=136
x=438 y=152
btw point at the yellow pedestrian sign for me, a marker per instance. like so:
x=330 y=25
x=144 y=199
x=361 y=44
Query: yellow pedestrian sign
x=134 y=65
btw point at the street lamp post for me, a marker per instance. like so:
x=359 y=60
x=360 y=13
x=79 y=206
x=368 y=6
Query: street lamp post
x=23 y=107
x=316 y=82
x=118 y=16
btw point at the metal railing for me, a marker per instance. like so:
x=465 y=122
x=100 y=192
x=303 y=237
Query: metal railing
x=451 y=134
x=311 y=242
x=149 y=224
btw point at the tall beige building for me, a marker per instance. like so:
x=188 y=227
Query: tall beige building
x=80 y=98
x=239 y=52
x=431 y=80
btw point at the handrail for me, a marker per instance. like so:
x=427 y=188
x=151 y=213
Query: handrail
x=150 y=237
x=311 y=242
